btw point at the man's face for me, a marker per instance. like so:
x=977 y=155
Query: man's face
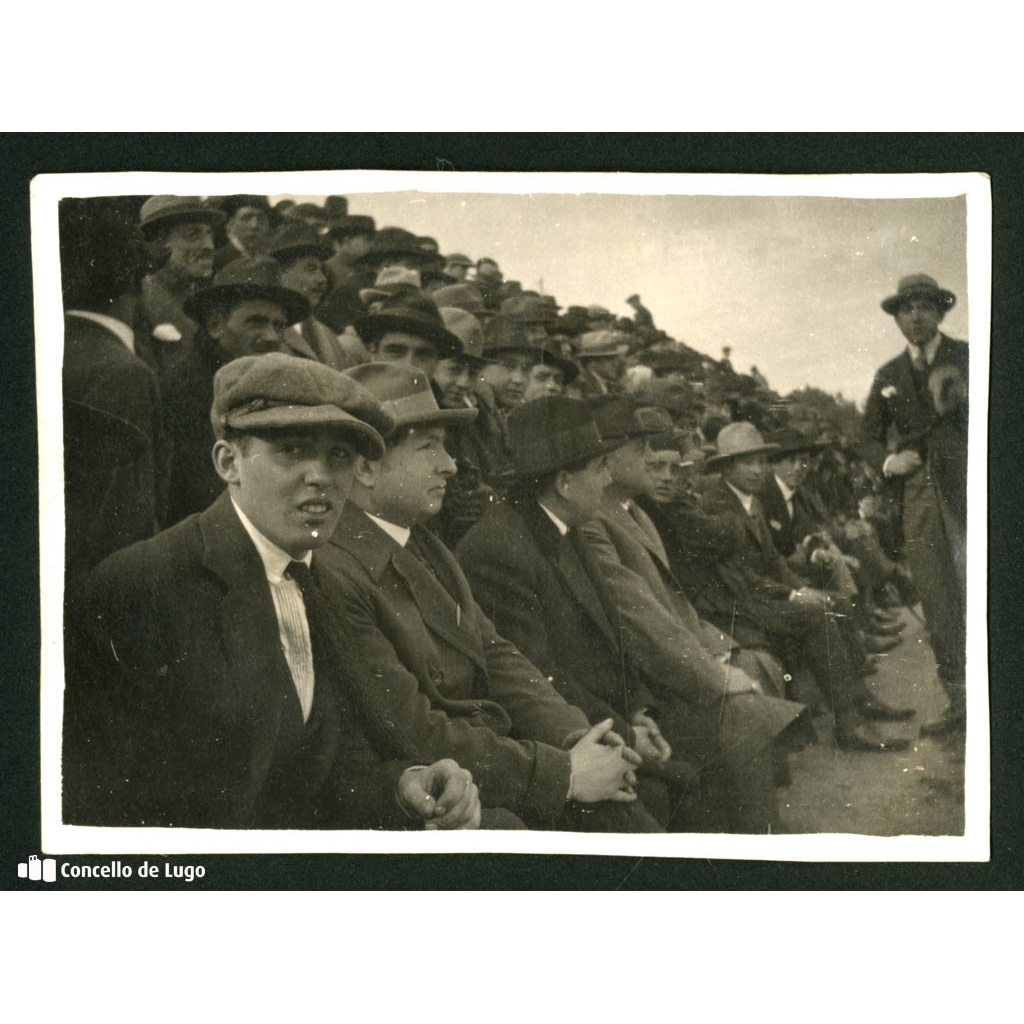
x=248 y=224
x=918 y=317
x=306 y=276
x=664 y=474
x=628 y=468
x=792 y=470
x=453 y=378
x=508 y=376
x=291 y=484
x=746 y=472
x=399 y=347
x=250 y=328
x=583 y=490
x=544 y=380
x=456 y=270
x=404 y=260
x=489 y=272
x=410 y=481
x=358 y=246
x=191 y=247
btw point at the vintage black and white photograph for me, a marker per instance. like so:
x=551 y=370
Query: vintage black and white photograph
x=586 y=513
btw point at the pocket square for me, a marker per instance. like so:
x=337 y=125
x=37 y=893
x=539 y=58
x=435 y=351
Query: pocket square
x=775 y=524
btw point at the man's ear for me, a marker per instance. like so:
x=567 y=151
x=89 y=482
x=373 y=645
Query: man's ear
x=365 y=471
x=561 y=484
x=215 y=323
x=226 y=456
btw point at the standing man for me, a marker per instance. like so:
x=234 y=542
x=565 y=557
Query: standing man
x=207 y=677
x=244 y=312
x=922 y=396
x=437 y=679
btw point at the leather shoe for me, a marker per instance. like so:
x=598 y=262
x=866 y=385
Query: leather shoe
x=878 y=709
x=951 y=721
x=855 y=739
x=880 y=644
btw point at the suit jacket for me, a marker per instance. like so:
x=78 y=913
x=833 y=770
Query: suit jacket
x=658 y=624
x=542 y=592
x=114 y=454
x=180 y=708
x=312 y=339
x=438 y=680
x=900 y=402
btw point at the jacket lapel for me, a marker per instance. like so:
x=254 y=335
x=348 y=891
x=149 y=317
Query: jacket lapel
x=248 y=621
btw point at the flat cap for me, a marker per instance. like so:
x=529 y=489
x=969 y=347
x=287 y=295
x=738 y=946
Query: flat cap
x=275 y=391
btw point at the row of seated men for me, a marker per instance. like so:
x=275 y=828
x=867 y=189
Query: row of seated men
x=564 y=663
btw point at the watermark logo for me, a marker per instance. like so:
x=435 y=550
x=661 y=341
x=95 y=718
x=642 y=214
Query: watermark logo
x=36 y=870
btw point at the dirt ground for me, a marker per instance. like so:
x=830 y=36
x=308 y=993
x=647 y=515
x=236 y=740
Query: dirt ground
x=918 y=791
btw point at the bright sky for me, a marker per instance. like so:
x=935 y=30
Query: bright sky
x=792 y=284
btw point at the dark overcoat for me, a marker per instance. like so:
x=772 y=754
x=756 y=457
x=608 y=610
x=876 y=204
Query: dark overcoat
x=180 y=708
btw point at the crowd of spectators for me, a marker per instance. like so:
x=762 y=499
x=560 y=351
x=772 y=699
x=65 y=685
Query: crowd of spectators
x=654 y=558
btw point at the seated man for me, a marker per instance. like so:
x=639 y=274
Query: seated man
x=780 y=601
x=437 y=680
x=407 y=328
x=536 y=578
x=716 y=715
x=206 y=675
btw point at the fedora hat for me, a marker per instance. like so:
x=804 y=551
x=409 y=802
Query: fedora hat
x=788 y=441
x=291 y=241
x=232 y=204
x=405 y=394
x=503 y=334
x=463 y=296
x=457 y=259
x=351 y=224
x=918 y=284
x=468 y=330
x=390 y=281
x=248 y=277
x=736 y=439
x=162 y=211
x=394 y=242
x=553 y=432
x=620 y=419
x=411 y=313
x=600 y=344
x=275 y=391
x=525 y=308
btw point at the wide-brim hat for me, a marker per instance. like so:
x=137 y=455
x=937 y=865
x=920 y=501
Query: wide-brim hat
x=162 y=211
x=248 y=277
x=551 y=433
x=457 y=259
x=600 y=345
x=789 y=441
x=735 y=440
x=394 y=242
x=275 y=391
x=503 y=334
x=411 y=313
x=918 y=284
x=351 y=224
x=391 y=281
x=405 y=394
x=620 y=419
x=464 y=295
x=291 y=241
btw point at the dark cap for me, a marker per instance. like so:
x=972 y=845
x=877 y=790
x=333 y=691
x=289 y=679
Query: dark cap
x=405 y=394
x=551 y=433
x=394 y=242
x=457 y=259
x=275 y=392
x=790 y=441
x=248 y=277
x=232 y=204
x=352 y=224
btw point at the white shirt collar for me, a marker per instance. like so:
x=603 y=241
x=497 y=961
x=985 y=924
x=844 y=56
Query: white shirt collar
x=275 y=561
x=116 y=327
x=562 y=528
x=399 y=534
x=929 y=348
x=787 y=492
x=747 y=500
